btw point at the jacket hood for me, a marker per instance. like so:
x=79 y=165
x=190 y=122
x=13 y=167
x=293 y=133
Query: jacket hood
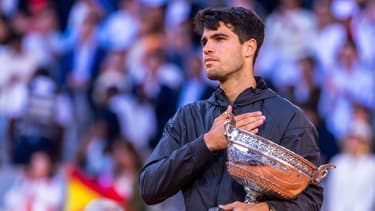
x=248 y=96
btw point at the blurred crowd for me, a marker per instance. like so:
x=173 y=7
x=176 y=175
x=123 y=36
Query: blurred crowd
x=91 y=83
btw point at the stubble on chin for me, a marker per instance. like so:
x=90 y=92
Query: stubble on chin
x=215 y=77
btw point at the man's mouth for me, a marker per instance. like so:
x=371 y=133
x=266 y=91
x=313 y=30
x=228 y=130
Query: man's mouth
x=209 y=60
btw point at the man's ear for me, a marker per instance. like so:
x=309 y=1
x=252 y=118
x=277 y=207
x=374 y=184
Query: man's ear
x=250 y=47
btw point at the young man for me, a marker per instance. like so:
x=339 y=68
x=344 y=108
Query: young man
x=191 y=154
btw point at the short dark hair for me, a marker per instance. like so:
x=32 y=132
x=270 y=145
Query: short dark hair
x=244 y=22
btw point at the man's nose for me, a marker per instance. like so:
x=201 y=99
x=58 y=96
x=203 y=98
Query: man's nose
x=207 y=48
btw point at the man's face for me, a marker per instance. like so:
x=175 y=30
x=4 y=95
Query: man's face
x=222 y=53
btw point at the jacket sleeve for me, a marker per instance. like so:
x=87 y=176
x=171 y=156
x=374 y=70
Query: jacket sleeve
x=174 y=163
x=302 y=138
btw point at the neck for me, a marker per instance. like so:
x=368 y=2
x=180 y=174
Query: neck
x=234 y=86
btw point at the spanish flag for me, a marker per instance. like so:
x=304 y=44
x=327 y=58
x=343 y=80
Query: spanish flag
x=81 y=191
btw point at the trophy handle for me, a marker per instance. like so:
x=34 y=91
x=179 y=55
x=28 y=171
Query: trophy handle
x=321 y=173
x=229 y=124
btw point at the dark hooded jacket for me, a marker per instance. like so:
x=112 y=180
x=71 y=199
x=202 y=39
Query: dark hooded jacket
x=182 y=161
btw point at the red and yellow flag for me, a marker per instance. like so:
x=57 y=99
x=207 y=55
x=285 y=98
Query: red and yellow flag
x=81 y=191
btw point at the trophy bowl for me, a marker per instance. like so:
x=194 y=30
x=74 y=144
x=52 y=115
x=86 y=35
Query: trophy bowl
x=265 y=168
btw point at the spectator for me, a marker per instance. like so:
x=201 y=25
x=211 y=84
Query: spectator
x=329 y=33
x=289 y=30
x=161 y=84
x=43 y=39
x=40 y=121
x=120 y=29
x=93 y=153
x=36 y=189
x=196 y=87
x=79 y=68
x=355 y=171
x=123 y=174
x=338 y=98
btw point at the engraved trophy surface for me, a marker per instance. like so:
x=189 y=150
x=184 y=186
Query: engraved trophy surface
x=265 y=168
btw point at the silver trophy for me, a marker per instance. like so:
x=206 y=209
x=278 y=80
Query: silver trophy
x=265 y=168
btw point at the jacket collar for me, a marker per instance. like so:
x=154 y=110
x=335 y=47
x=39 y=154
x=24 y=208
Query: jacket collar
x=248 y=96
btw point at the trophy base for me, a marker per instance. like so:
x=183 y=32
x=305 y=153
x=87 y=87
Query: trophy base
x=251 y=196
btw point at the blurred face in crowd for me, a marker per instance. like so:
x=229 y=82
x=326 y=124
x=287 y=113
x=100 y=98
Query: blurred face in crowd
x=88 y=26
x=46 y=21
x=348 y=54
x=322 y=12
x=40 y=165
x=356 y=145
x=126 y=157
x=222 y=52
